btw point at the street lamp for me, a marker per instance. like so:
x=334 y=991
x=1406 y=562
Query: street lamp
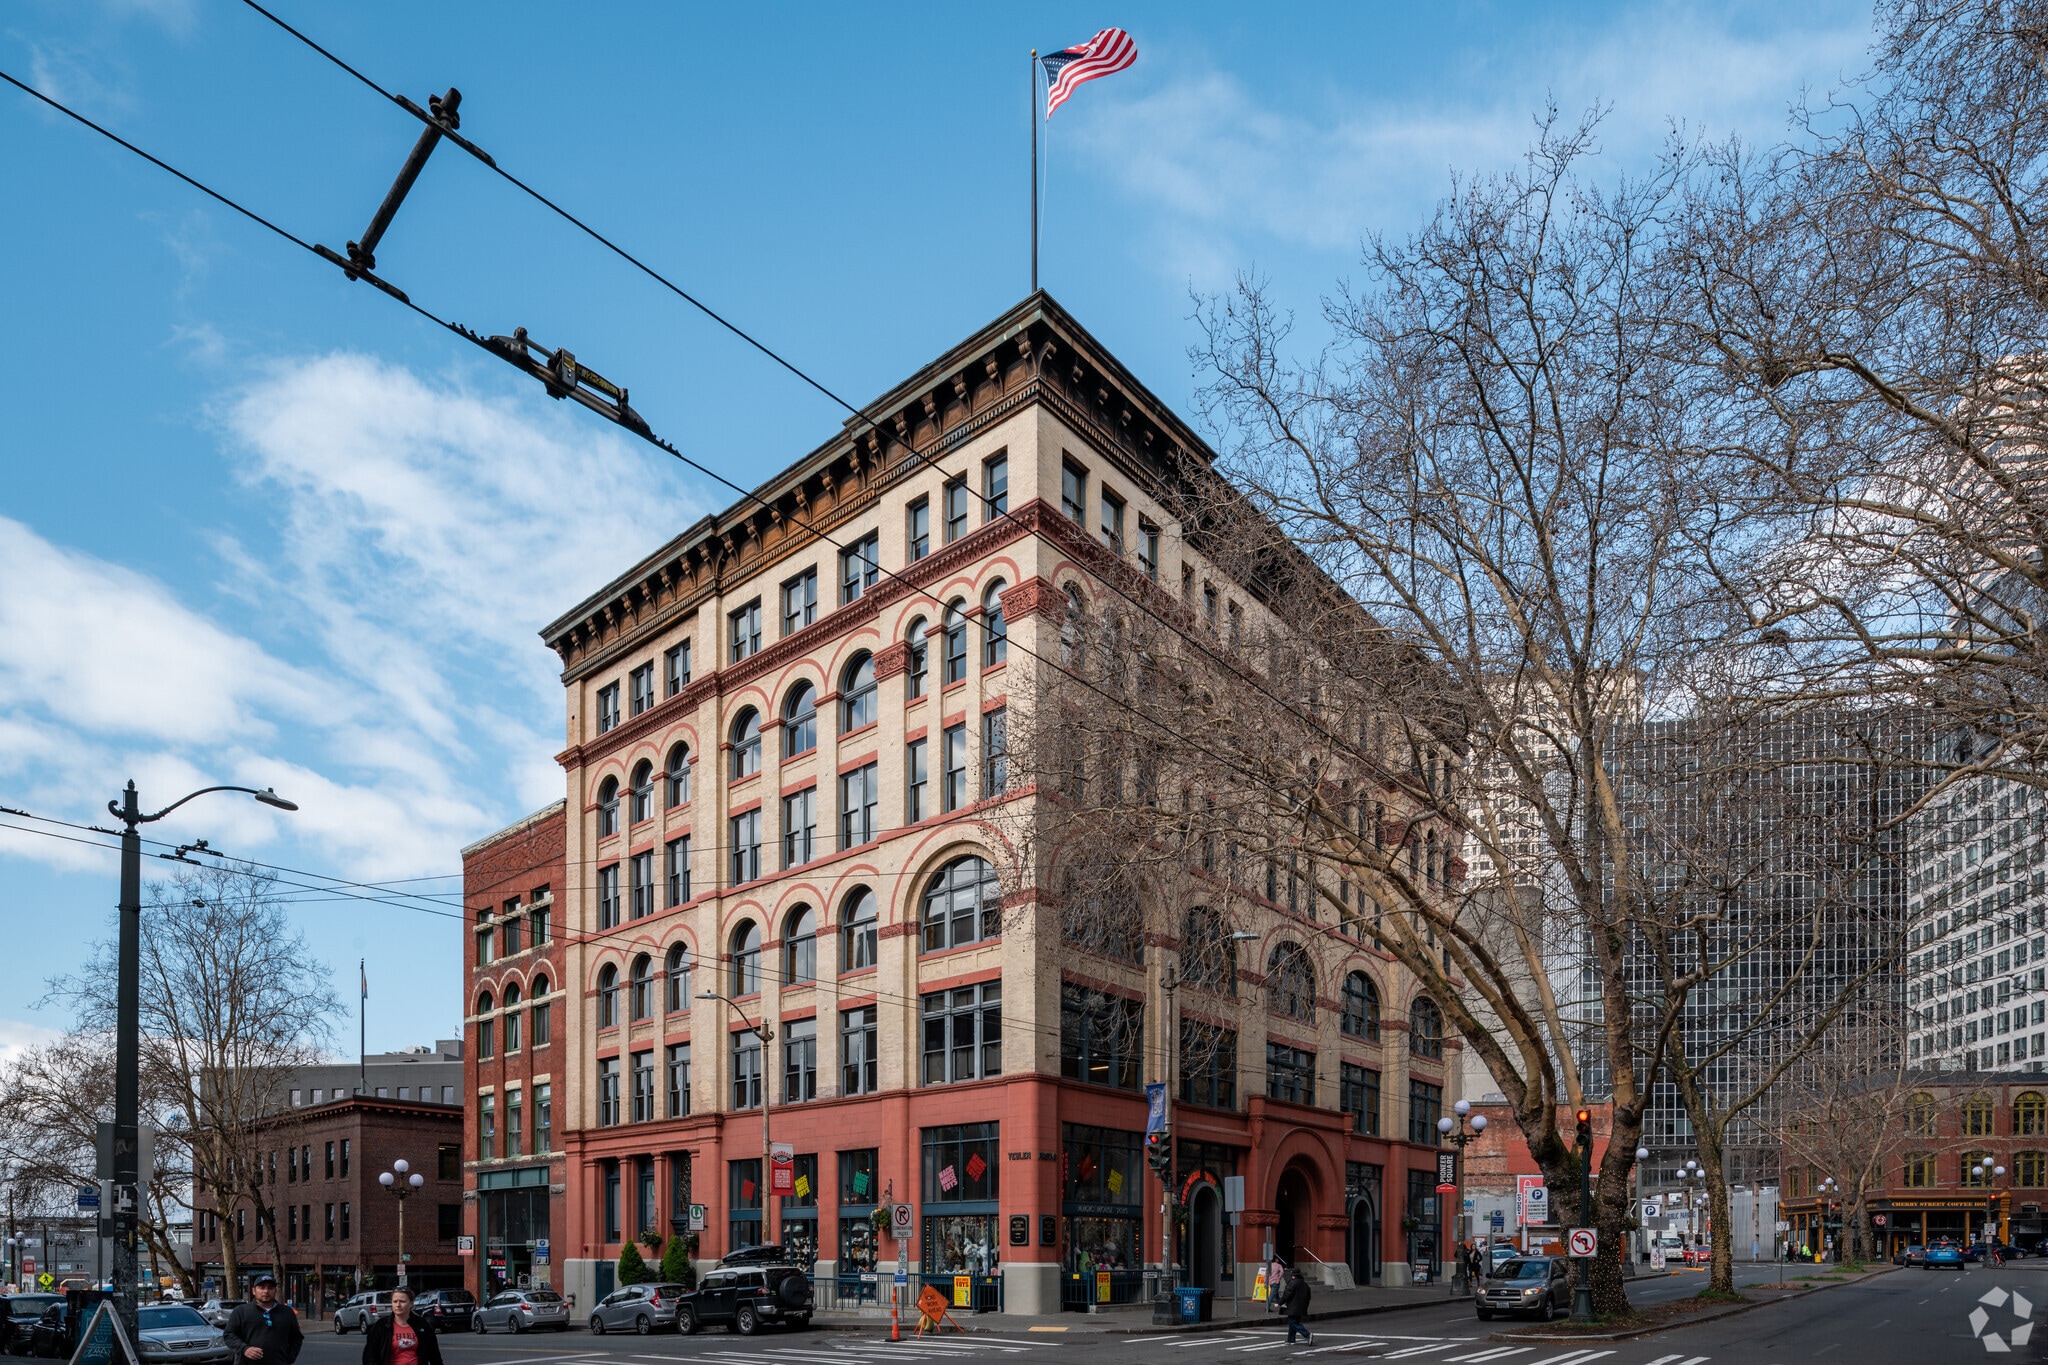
x=766 y=1033
x=1830 y=1193
x=1985 y=1173
x=1692 y=1181
x=128 y=1031
x=1642 y=1155
x=1455 y=1131
x=399 y=1183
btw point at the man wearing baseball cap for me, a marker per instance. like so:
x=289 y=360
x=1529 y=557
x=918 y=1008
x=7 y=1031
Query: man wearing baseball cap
x=264 y=1332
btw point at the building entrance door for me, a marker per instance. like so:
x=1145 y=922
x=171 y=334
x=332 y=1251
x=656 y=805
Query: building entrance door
x=1205 y=1238
x=1365 y=1241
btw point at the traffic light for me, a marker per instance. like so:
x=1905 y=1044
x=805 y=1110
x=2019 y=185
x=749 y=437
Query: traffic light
x=1158 y=1155
x=1585 y=1139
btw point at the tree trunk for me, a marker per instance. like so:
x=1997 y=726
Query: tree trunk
x=1721 y=1266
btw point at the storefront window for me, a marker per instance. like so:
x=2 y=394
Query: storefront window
x=1103 y=1179
x=800 y=1211
x=960 y=1244
x=1425 y=1236
x=859 y=1193
x=743 y=1199
x=960 y=1193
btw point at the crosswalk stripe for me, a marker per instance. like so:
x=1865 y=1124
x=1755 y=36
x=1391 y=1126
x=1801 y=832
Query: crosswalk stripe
x=1572 y=1358
x=1500 y=1352
x=1419 y=1350
x=1695 y=1360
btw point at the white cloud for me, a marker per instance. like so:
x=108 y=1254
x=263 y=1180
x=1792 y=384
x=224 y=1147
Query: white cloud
x=17 y=1036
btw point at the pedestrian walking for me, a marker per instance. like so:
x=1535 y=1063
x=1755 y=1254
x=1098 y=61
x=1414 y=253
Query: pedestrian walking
x=401 y=1339
x=264 y=1331
x=1294 y=1302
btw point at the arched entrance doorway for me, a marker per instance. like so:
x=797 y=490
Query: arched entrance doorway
x=1364 y=1241
x=1293 y=1202
x=1205 y=1237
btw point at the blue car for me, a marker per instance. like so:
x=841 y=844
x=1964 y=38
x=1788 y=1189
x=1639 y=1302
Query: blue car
x=1942 y=1254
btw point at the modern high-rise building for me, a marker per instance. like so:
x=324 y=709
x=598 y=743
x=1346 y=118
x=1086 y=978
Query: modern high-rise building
x=795 y=961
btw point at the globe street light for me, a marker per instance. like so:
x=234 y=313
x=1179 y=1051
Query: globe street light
x=1454 y=1131
x=1692 y=1180
x=403 y=1185
x=128 y=1033
x=1985 y=1172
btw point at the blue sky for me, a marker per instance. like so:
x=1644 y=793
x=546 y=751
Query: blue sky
x=259 y=525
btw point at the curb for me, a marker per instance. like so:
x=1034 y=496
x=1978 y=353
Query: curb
x=1712 y=1315
x=1140 y=1329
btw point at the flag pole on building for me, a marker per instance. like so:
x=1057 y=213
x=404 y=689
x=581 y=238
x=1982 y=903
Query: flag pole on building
x=1034 y=170
x=363 y=1031
x=1107 y=53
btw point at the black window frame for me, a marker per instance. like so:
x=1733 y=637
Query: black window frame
x=953 y=767
x=974 y=1011
x=1102 y=1037
x=953 y=508
x=1290 y=1073
x=995 y=486
x=859 y=1063
x=799 y=602
x=859 y=568
x=744 y=834
x=860 y=795
x=675 y=667
x=607 y=708
x=743 y=637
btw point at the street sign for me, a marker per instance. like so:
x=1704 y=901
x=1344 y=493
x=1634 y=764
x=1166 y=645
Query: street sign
x=1880 y=1220
x=1532 y=1200
x=46 y=1279
x=1585 y=1242
x=465 y=1246
x=88 y=1199
x=28 y=1267
x=1446 y=1170
x=1653 y=1206
x=540 y=1249
x=696 y=1218
x=902 y=1217
x=1233 y=1194
x=1447 y=1189
x=1497 y=1220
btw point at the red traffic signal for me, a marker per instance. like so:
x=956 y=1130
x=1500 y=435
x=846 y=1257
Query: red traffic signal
x=1585 y=1136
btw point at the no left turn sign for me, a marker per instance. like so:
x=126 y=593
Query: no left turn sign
x=1585 y=1241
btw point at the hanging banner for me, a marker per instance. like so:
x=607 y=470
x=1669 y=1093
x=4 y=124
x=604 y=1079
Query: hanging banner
x=1155 y=1107
x=781 y=1168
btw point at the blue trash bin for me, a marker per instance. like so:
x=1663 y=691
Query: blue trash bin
x=1195 y=1303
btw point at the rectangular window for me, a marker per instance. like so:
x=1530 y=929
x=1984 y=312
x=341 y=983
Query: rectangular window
x=746 y=846
x=607 y=1091
x=607 y=707
x=1209 y=607
x=1101 y=1037
x=291 y=1223
x=676 y=858
x=916 y=779
x=953 y=792
x=330 y=1222
x=612 y=1229
x=857 y=1051
x=799 y=827
x=920 y=529
x=746 y=631
x=859 y=792
x=800 y=601
x=963 y=1033
x=799 y=1060
x=608 y=897
x=640 y=694
x=537 y=918
x=1358 y=1094
x=486 y=943
x=1208 y=1065
x=543 y=1119
x=746 y=1070
x=485 y=1031
x=1425 y=1107
x=344 y=1222
x=1919 y=1171
x=1290 y=1074
x=995 y=487
x=995 y=752
x=675 y=667
x=448 y=1160
x=1074 y=492
x=962 y=1164
x=859 y=566
x=330 y=1161
x=744 y=1197
x=642 y=884
x=678 y=1059
x=508 y=931
x=344 y=1158
x=1148 y=549
x=511 y=1020
x=541 y=1031
x=1112 y=522
x=515 y=1125
x=643 y=1086
x=956 y=509
x=487 y=1127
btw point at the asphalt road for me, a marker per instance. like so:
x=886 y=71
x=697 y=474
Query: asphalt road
x=1908 y=1317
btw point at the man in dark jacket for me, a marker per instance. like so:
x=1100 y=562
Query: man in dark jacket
x=401 y=1337
x=264 y=1332
x=1294 y=1303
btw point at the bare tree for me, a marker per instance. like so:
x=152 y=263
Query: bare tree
x=232 y=1001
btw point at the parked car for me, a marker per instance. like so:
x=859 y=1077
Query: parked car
x=1502 y=1252
x=1944 y=1253
x=770 y=1254
x=26 y=1309
x=216 y=1311
x=446 y=1310
x=1527 y=1284
x=522 y=1310
x=1911 y=1255
x=50 y=1334
x=745 y=1298
x=172 y=1334
x=1699 y=1253
x=2012 y=1253
x=640 y=1307
x=359 y=1312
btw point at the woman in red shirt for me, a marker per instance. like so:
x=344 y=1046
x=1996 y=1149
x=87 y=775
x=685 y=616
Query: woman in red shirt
x=401 y=1338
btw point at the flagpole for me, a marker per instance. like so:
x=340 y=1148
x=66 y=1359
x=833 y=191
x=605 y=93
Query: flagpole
x=363 y=1029
x=1034 y=170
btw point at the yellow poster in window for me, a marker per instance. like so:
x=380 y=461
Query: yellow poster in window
x=1102 y=1286
x=962 y=1291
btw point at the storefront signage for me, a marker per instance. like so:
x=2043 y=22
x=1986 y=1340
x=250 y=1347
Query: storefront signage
x=781 y=1168
x=696 y=1218
x=1020 y=1229
x=465 y=1246
x=1048 y=1230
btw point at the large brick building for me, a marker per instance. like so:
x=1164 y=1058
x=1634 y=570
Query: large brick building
x=787 y=787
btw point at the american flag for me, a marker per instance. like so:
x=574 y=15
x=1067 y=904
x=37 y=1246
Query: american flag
x=1107 y=53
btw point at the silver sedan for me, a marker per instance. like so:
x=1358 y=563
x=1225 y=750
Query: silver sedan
x=176 y=1335
x=522 y=1310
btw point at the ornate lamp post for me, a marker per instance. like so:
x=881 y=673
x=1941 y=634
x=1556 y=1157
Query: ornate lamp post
x=766 y=1033
x=399 y=1183
x=1986 y=1172
x=1830 y=1193
x=1460 y=1132
x=1692 y=1178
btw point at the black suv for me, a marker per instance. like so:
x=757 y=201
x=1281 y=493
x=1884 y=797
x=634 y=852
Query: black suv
x=446 y=1310
x=746 y=1297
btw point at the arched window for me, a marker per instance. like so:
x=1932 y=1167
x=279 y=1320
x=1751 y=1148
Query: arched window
x=858 y=921
x=486 y=1027
x=1977 y=1117
x=800 y=721
x=540 y=987
x=916 y=669
x=996 y=634
x=678 y=973
x=678 y=776
x=1414 y=855
x=485 y=1004
x=2029 y=1114
x=1291 y=982
x=1208 y=957
x=955 y=627
x=643 y=987
x=857 y=693
x=608 y=807
x=1920 y=1115
x=1425 y=1028
x=643 y=790
x=746 y=744
x=746 y=958
x=512 y=1016
x=1361 y=1008
x=800 y=946
x=963 y=904
x=608 y=996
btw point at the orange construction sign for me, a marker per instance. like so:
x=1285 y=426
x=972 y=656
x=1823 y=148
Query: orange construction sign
x=931 y=1309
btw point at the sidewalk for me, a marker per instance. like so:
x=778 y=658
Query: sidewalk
x=1136 y=1319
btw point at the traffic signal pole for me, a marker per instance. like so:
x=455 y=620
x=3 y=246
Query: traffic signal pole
x=1582 y=1296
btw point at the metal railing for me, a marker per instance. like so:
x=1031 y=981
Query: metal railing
x=984 y=1292
x=1080 y=1289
